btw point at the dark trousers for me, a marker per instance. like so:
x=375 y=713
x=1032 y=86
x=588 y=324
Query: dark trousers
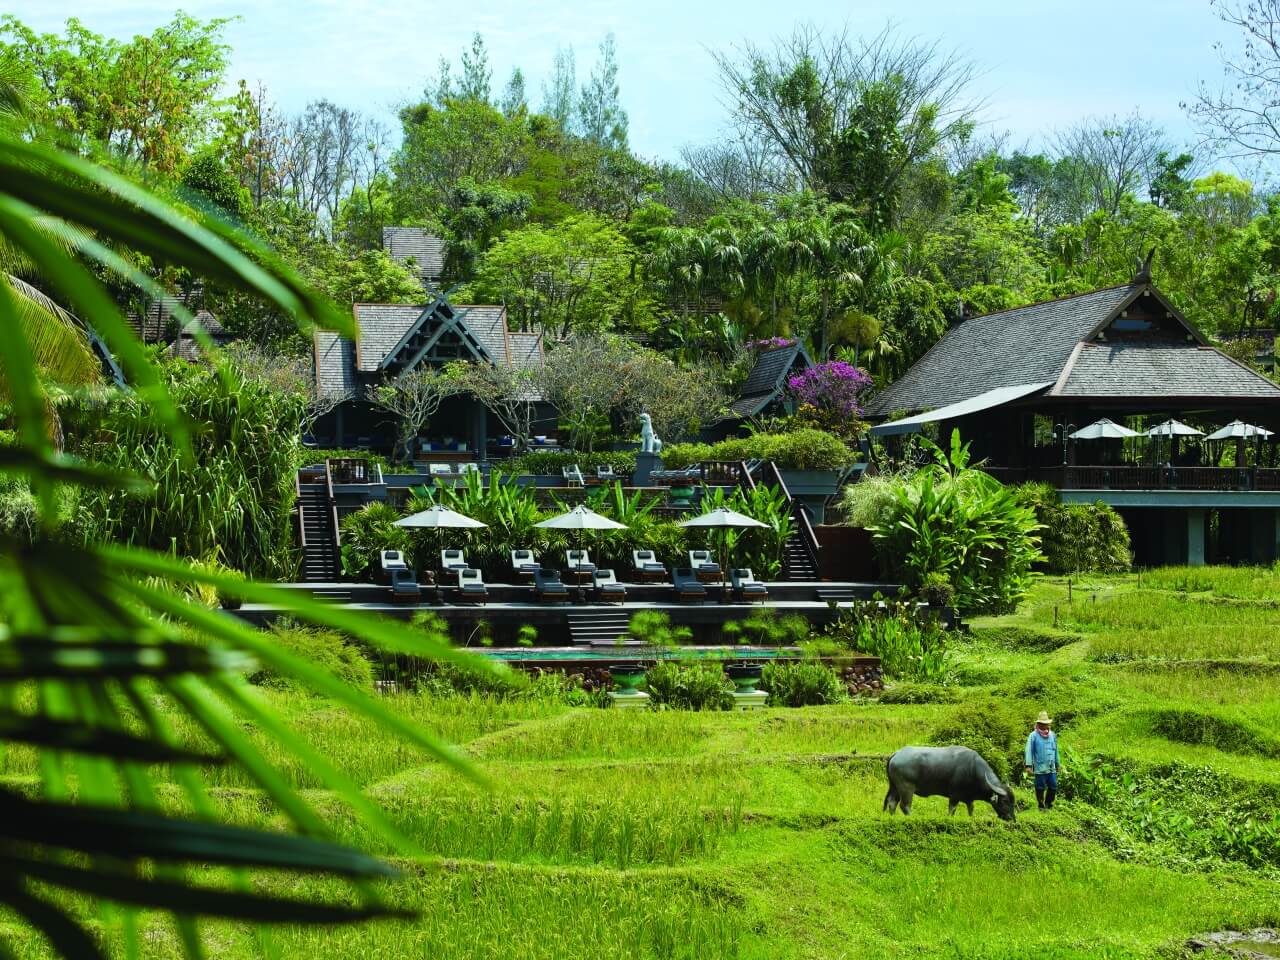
x=1046 y=790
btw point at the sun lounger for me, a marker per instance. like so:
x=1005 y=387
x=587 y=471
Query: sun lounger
x=573 y=476
x=578 y=562
x=439 y=469
x=706 y=569
x=686 y=585
x=404 y=589
x=452 y=560
x=548 y=587
x=523 y=564
x=746 y=586
x=605 y=474
x=389 y=560
x=648 y=569
x=607 y=587
x=471 y=588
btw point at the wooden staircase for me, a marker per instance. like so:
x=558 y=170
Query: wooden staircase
x=800 y=552
x=317 y=528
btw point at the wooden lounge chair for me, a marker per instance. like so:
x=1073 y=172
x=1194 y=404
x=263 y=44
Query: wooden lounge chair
x=452 y=560
x=686 y=585
x=524 y=564
x=648 y=569
x=746 y=587
x=607 y=587
x=471 y=588
x=389 y=560
x=573 y=476
x=578 y=562
x=707 y=570
x=404 y=589
x=548 y=587
x=605 y=474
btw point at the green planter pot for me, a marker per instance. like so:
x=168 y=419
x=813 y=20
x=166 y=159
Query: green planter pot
x=745 y=676
x=627 y=678
x=682 y=496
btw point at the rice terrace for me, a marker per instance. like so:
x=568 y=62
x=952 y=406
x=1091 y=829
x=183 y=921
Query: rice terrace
x=789 y=484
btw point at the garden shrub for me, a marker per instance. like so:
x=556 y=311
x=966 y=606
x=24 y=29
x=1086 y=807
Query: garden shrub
x=936 y=590
x=908 y=647
x=653 y=628
x=326 y=649
x=869 y=501
x=806 y=449
x=765 y=628
x=1197 y=727
x=309 y=456
x=366 y=533
x=913 y=693
x=1077 y=537
x=689 y=686
x=952 y=519
x=1024 y=638
x=450 y=680
x=19 y=513
x=993 y=729
x=803 y=683
x=543 y=462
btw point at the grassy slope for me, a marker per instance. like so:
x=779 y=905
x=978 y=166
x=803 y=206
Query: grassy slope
x=760 y=835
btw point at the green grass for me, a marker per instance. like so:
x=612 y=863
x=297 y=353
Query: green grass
x=669 y=834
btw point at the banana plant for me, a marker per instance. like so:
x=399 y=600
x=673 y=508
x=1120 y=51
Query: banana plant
x=100 y=648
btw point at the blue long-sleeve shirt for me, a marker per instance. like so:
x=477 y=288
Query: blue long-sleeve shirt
x=1042 y=752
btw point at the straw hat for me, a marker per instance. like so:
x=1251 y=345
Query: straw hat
x=1043 y=718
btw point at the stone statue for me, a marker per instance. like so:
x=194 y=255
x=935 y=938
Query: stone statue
x=649 y=442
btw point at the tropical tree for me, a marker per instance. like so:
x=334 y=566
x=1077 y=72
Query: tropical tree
x=413 y=399
x=102 y=645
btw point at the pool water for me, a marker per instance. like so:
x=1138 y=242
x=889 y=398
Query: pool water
x=611 y=653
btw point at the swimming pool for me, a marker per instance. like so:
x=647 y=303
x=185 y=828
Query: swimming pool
x=611 y=653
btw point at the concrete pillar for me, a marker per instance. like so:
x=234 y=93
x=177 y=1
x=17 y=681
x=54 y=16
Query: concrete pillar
x=1195 y=538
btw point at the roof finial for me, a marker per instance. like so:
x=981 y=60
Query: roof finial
x=1143 y=267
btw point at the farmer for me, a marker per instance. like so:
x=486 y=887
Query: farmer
x=1042 y=760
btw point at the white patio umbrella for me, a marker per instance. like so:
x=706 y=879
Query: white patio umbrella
x=722 y=518
x=439 y=518
x=1239 y=431
x=1103 y=429
x=1173 y=429
x=578 y=519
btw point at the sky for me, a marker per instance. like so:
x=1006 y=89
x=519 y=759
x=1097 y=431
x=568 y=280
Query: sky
x=1043 y=65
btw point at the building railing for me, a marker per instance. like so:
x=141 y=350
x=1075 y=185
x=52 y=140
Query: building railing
x=350 y=470
x=1133 y=477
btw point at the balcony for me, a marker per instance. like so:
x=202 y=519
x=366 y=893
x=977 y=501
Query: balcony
x=1131 y=477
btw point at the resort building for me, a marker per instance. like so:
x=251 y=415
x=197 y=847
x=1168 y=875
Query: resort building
x=1028 y=387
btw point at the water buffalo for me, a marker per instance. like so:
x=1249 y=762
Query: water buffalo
x=957 y=773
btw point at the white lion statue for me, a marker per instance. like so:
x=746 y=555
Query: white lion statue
x=649 y=442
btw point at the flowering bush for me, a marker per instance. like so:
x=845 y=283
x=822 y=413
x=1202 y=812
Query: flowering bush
x=827 y=397
x=770 y=343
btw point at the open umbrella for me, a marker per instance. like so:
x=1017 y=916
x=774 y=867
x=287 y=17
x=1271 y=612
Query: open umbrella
x=1103 y=429
x=578 y=519
x=722 y=518
x=1239 y=431
x=439 y=518
x=1172 y=429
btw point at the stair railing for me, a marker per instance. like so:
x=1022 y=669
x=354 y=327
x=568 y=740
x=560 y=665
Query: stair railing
x=333 y=513
x=803 y=525
x=302 y=523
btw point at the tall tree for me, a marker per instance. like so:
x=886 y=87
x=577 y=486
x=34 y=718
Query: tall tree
x=602 y=119
x=413 y=398
x=559 y=95
x=1117 y=156
x=1241 y=118
x=476 y=74
x=514 y=99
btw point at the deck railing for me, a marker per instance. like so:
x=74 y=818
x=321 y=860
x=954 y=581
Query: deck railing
x=350 y=470
x=1134 y=477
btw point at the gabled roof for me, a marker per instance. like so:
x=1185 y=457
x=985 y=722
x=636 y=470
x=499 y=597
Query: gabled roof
x=426 y=250
x=768 y=378
x=1085 y=346
x=152 y=325
x=395 y=337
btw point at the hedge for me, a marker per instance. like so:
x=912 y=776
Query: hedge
x=798 y=450
x=551 y=462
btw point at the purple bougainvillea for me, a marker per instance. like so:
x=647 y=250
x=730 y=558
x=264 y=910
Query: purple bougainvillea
x=770 y=343
x=832 y=388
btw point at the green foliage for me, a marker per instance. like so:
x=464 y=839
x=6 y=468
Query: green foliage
x=230 y=502
x=551 y=462
x=803 y=683
x=1077 y=537
x=688 y=686
x=806 y=449
x=991 y=728
x=450 y=680
x=366 y=533
x=765 y=627
x=509 y=511
x=870 y=501
x=1203 y=728
x=326 y=649
x=908 y=647
x=211 y=186
x=372 y=276
x=653 y=628
x=915 y=693
x=950 y=518
x=937 y=591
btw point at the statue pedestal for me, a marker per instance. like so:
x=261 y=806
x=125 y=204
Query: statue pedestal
x=646 y=463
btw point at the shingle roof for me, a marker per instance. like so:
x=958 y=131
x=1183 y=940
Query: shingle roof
x=152 y=325
x=1173 y=370
x=343 y=366
x=1027 y=344
x=426 y=250
x=765 y=380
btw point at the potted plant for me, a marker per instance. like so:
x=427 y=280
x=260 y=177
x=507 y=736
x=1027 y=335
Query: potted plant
x=627 y=676
x=745 y=675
